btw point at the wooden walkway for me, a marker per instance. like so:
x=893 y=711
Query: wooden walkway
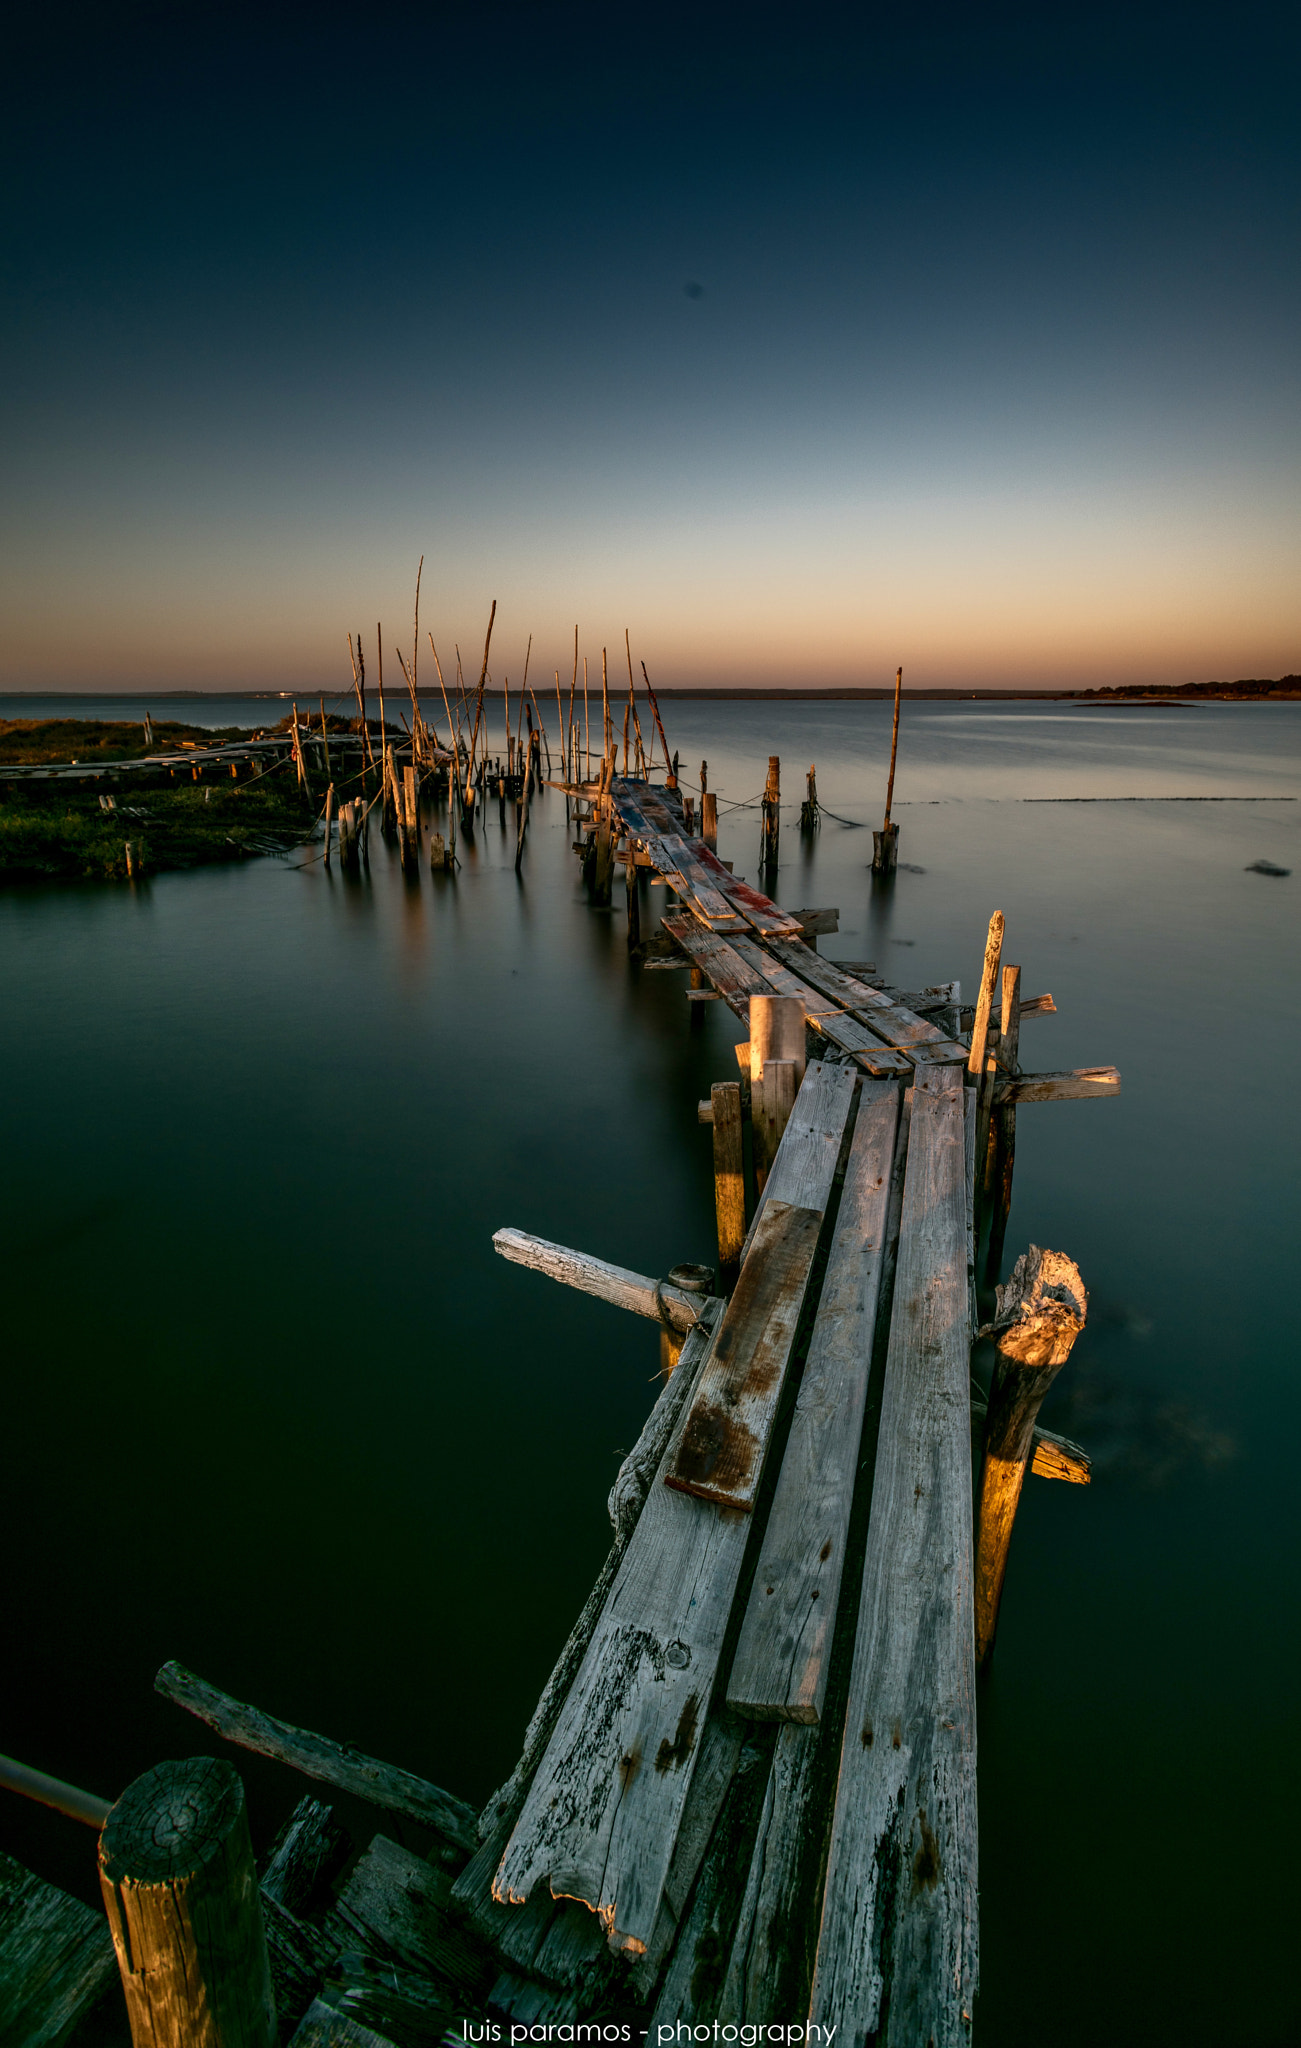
x=747 y=1796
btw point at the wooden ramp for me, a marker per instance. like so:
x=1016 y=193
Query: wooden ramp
x=700 y=1769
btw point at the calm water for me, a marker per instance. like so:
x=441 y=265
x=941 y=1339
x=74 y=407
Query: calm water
x=274 y=1407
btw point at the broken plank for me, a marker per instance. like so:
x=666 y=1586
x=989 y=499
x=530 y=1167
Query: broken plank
x=721 y=1448
x=840 y=1027
x=395 y=1904
x=655 y=1299
x=627 y=1495
x=735 y=978
x=694 y=1978
x=603 y=1812
x=720 y=1751
x=757 y=909
x=56 y=1959
x=898 y=1026
x=767 y=1971
x=332 y=1763
x=897 y=1948
x=780 y=1667
x=1076 y=1084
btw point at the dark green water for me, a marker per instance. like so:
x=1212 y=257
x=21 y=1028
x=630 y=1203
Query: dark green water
x=273 y=1406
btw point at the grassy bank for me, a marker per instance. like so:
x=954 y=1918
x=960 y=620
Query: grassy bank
x=46 y=831
x=97 y=740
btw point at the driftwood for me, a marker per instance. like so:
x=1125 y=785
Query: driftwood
x=1076 y=1084
x=1040 y=1313
x=332 y=1763
x=896 y=1960
x=615 y=1284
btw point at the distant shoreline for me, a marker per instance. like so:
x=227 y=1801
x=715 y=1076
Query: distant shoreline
x=1255 y=691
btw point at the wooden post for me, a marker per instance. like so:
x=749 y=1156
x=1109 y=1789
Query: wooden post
x=132 y=851
x=325 y=736
x=438 y=853
x=411 y=818
x=634 y=905
x=729 y=1178
x=980 y=1064
x=523 y=819
x=181 y=1893
x=709 y=819
x=1040 y=1313
x=1002 y=1132
x=603 y=869
x=885 y=844
x=329 y=819
x=809 y=808
x=771 y=831
x=773 y=1102
x=776 y=1032
x=689 y=817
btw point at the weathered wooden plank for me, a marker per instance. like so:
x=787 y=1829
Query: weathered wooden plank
x=383 y=2002
x=323 y=2027
x=729 y=1175
x=757 y=909
x=317 y=1757
x=897 y=1026
x=602 y=1815
x=693 y=1981
x=767 y=1971
x=805 y=1166
x=780 y=1667
x=631 y=1485
x=56 y=1959
x=655 y=1299
x=1075 y=1084
x=839 y=1026
x=720 y=1450
x=897 y=1948
x=396 y=1904
x=734 y=978
x=720 y=1752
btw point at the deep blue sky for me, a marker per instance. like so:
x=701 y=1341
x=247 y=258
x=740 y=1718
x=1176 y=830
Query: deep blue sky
x=990 y=363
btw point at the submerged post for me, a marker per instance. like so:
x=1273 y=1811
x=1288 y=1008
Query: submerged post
x=771 y=831
x=809 y=808
x=181 y=1893
x=885 y=843
x=1039 y=1315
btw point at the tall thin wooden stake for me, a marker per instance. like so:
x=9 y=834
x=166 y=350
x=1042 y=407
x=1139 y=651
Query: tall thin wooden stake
x=1002 y=1136
x=607 y=730
x=571 y=770
x=587 y=729
x=383 y=727
x=659 y=722
x=980 y=1062
x=885 y=843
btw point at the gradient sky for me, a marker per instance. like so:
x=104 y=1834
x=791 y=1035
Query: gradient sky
x=991 y=362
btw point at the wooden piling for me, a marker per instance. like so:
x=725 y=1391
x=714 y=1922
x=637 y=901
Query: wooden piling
x=885 y=843
x=181 y=1893
x=776 y=1032
x=809 y=815
x=771 y=830
x=132 y=852
x=329 y=820
x=709 y=819
x=729 y=1178
x=981 y=1064
x=1001 y=1156
x=603 y=867
x=633 y=904
x=773 y=1101
x=1040 y=1313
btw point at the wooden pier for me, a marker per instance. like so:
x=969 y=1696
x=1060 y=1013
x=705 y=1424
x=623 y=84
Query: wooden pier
x=747 y=1795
